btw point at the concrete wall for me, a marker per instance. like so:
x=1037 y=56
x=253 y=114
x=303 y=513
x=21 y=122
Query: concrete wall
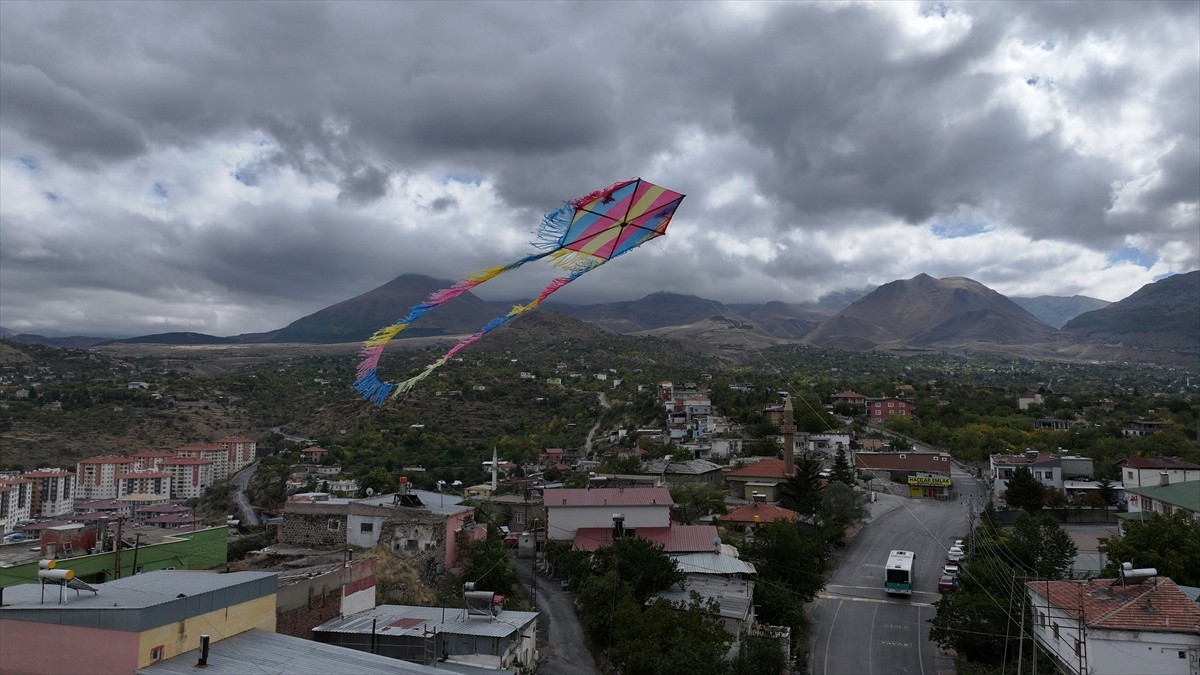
x=30 y=649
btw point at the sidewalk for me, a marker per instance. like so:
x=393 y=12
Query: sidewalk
x=883 y=503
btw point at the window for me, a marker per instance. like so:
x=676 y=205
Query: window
x=1128 y=475
x=1041 y=619
x=366 y=528
x=519 y=518
x=334 y=525
x=1077 y=648
x=156 y=654
x=1054 y=627
x=410 y=544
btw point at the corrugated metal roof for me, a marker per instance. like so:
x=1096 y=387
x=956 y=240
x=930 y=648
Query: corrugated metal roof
x=414 y=621
x=634 y=496
x=712 y=563
x=732 y=594
x=138 y=591
x=265 y=653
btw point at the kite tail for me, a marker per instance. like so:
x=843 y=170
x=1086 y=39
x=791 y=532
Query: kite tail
x=492 y=325
x=368 y=383
x=598 y=194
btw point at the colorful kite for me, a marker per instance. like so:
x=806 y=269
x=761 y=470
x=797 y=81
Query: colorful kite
x=579 y=237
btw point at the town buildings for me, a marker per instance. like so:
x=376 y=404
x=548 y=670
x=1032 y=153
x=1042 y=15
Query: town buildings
x=1143 y=471
x=927 y=474
x=1133 y=624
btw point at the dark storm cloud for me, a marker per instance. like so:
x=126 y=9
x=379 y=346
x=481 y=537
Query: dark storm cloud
x=51 y=113
x=819 y=119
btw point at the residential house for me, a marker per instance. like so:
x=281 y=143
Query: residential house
x=674 y=539
x=1052 y=471
x=414 y=524
x=1166 y=499
x=1142 y=471
x=568 y=509
x=690 y=471
x=481 y=635
x=308 y=597
x=1029 y=398
x=878 y=410
x=748 y=517
x=128 y=623
x=927 y=474
x=1135 y=624
x=849 y=398
x=519 y=510
x=1142 y=427
x=313 y=454
x=765 y=477
x=732 y=593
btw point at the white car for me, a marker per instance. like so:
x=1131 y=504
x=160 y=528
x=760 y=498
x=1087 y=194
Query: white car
x=955 y=554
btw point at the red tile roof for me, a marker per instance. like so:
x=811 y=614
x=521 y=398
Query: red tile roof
x=634 y=496
x=1158 y=463
x=767 y=468
x=766 y=513
x=107 y=459
x=1155 y=605
x=674 y=539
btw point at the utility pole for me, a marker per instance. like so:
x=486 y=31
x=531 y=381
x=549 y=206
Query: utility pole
x=117 y=549
x=1021 y=634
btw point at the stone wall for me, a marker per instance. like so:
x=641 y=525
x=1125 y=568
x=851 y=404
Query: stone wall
x=313 y=529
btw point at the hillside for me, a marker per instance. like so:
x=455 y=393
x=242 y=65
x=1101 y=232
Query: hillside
x=1164 y=315
x=1056 y=311
x=929 y=313
x=355 y=319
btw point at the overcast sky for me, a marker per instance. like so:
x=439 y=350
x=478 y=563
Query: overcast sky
x=230 y=167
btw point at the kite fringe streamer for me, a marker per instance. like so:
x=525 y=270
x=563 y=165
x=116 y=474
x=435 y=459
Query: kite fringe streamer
x=548 y=235
x=593 y=196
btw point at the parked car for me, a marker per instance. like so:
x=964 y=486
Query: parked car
x=955 y=554
x=947 y=583
x=512 y=539
x=950 y=570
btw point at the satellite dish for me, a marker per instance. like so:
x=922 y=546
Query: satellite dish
x=370 y=492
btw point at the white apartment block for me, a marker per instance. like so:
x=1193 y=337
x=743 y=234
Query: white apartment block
x=98 y=476
x=52 y=492
x=242 y=452
x=190 y=476
x=156 y=483
x=212 y=452
x=149 y=460
x=16 y=497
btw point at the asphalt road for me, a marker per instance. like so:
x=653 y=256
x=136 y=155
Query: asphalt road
x=241 y=480
x=860 y=629
x=565 y=652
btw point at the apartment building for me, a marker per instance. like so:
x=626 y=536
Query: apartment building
x=190 y=476
x=53 y=492
x=97 y=476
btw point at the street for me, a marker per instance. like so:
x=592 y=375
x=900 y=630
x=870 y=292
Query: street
x=565 y=651
x=860 y=629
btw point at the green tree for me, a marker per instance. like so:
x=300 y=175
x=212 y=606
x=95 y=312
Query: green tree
x=671 y=639
x=379 y=480
x=693 y=500
x=1025 y=492
x=802 y=492
x=842 y=471
x=760 y=655
x=644 y=566
x=487 y=565
x=1169 y=544
x=1042 y=546
x=841 y=507
x=791 y=562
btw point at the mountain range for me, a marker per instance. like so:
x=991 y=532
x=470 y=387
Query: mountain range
x=922 y=313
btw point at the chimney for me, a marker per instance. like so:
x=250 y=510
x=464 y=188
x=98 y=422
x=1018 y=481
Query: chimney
x=203 y=662
x=1164 y=478
x=789 y=439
